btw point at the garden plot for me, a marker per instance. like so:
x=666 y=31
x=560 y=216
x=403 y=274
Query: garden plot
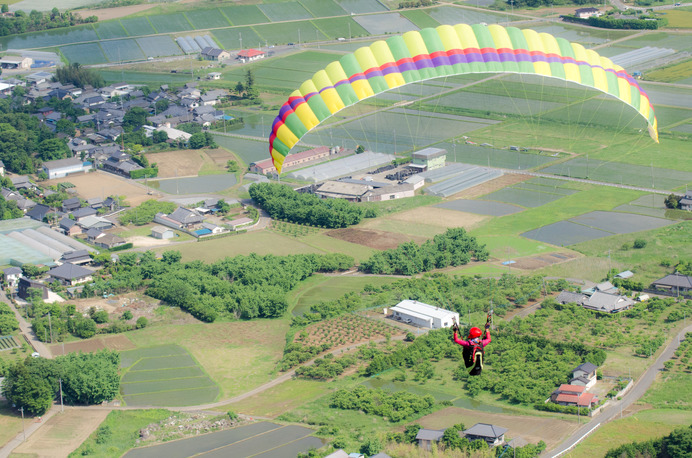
x=84 y=54
x=257 y=439
x=137 y=26
x=361 y=6
x=112 y=29
x=122 y=50
x=245 y=14
x=8 y=343
x=381 y=24
x=288 y=11
x=619 y=172
x=523 y=197
x=170 y=22
x=162 y=45
x=164 y=375
x=207 y=19
x=323 y=8
x=481 y=207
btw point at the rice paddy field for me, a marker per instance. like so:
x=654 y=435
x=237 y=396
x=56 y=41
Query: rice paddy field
x=207 y=18
x=323 y=8
x=381 y=24
x=286 y=11
x=165 y=375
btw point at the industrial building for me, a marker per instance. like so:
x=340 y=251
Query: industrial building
x=423 y=315
x=428 y=159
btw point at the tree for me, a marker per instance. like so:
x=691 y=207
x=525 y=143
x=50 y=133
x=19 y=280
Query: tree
x=127 y=315
x=232 y=166
x=197 y=141
x=52 y=149
x=90 y=378
x=360 y=149
x=4 y=8
x=639 y=243
x=159 y=136
x=65 y=126
x=79 y=76
x=161 y=105
x=135 y=117
x=371 y=446
x=27 y=389
x=142 y=322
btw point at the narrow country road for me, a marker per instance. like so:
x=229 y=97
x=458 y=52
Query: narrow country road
x=637 y=391
x=27 y=330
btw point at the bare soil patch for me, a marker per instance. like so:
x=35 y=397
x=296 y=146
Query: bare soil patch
x=105 y=14
x=62 y=433
x=179 y=163
x=380 y=240
x=534 y=429
x=102 y=184
x=490 y=186
x=439 y=217
x=544 y=260
x=116 y=342
x=146 y=241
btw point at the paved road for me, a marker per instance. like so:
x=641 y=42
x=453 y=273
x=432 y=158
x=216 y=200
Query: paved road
x=27 y=330
x=636 y=392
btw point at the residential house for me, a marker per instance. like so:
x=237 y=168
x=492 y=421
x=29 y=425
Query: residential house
x=111 y=204
x=39 y=77
x=186 y=218
x=81 y=213
x=604 y=287
x=686 y=201
x=24 y=285
x=493 y=435
x=71 y=274
x=175 y=134
x=95 y=203
x=213 y=228
x=71 y=204
x=214 y=75
x=121 y=163
x=625 y=274
x=77 y=257
x=210 y=53
x=607 y=303
x=250 y=55
x=352 y=192
x=39 y=212
x=398 y=191
x=109 y=241
x=23 y=182
x=585 y=13
x=674 y=283
x=63 y=167
x=584 y=375
x=426 y=437
x=93 y=234
x=569 y=297
x=70 y=227
x=11 y=276
x=573 y=395
x=25 y=204
x=161 y=232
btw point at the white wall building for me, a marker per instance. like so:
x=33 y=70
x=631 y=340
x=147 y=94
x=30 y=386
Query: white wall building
x=423 y=315
x=63 y=167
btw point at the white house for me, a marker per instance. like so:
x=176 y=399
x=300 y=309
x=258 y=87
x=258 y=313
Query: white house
x=12 y=275
x=63 y=167
x=585 y=13
x=423 y=315
x=584 y=375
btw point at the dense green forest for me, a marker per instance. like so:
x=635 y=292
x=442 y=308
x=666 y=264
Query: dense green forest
x=285 y=204
x=453 y=248
x=87 y=378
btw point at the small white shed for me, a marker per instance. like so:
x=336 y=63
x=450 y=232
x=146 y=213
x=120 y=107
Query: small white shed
x=423 y=315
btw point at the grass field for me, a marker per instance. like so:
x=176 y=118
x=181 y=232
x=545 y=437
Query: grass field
x=137 y=26
x=290 y=32
x=238 y=356
x=207 y=18
x=671 y=73
x=642 y=426
x=279 y=399
x=679 y=19
x=10 y=422
x=339 y=28
x=230 y=38
x=327 y=288
x=110 y=29
x=124 y=426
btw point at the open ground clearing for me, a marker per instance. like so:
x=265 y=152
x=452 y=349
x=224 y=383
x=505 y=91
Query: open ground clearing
x=279 y=399
x=118 y=342
x=379 y=240
x=184 y=163
x=533 y=429
x=103 y=184
x=62 y=433
x=10 y=422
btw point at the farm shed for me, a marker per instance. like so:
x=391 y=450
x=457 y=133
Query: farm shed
x=492 y=434
x=429 y=158
x=426 y=437
x=63 y=167
x=423 y=315
x=161 y=232
x=237 y=224
x=25 y=284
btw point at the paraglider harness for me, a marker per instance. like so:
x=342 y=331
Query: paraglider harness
x=474 y=353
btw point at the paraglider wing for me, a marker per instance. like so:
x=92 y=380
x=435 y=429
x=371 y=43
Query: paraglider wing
x=445 y=51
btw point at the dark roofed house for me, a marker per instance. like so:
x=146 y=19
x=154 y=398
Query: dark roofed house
x=210 y=53
x=39 y=212
x=426 y=437
x=71 y=204
x=70 y=227
x=122 y=164
x=568 y=297
x=493 y=435
x=186 y=217
x=83 y=212
x=95 y=202
x=584 y=375
x=109 y=241
x=76 y=257
x=71 y=274
x=607 y=303
x=25 y=284
x=686 y=201
x=673 y=283
x=94 y=233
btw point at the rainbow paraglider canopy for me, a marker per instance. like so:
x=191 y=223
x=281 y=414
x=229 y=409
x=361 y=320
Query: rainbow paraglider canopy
x=446 y=51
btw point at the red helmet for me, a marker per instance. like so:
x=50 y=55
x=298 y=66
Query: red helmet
x=475 y=332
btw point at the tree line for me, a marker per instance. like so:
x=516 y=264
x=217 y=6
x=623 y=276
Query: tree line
x=8 y=321
x=396 y=406
x=453 y=248
x=283 y=203
x=36 y=20
x=241 y=287
x=33 y=384
x=676 y=444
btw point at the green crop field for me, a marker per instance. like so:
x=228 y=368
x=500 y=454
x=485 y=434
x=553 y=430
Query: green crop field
x=137 y=26
x=323 y=8
x=53 y=37
x=207 y=18
x=248 y=150
x=340 y=28
x=523 y=197
x=672 y=73
x=326 y=288
x=84 y=54
x=141 y=383
x=677 y=41
x=170 y=23
x=230 y=38
x=289 y=32
x=285 y=11
x=420 y=18
x=162 y=45
x=678 y=19
x=122 y=50
x=474 y=154
x=245 y=14
x=110 y=29
x=279 y=399
x=361 y=6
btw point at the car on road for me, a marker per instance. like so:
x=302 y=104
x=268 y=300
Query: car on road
x=35 y=354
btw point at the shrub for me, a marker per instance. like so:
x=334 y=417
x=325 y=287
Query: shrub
x=142 y=322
